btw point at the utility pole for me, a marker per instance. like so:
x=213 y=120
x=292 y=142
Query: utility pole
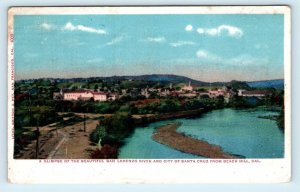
x=56 y=125
x=37 y=139
x=84 y=122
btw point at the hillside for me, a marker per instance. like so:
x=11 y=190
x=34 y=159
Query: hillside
x=175 y=79
x=277 y=84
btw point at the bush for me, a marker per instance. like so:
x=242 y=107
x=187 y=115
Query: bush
x=113 y=130
x=106 y=152
x=280 y=120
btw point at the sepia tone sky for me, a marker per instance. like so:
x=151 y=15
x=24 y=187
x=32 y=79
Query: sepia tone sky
x=203 y=47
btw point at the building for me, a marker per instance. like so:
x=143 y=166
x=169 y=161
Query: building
x=100 y=96
x=189 y=95
x=84 y=95
x=164 y=93
x=240 y=92
x=216 y=93
x=202 y=93
x=112 y=96
x=255 y=93
x=225 y=91
x=145 y=93
x=187 y=87
x=77 y=95
x=57 y=96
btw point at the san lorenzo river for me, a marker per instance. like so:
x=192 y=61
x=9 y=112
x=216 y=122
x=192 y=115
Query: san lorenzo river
x=238 y=132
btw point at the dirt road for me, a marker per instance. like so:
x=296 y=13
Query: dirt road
x=75 y=142
x=68 y=142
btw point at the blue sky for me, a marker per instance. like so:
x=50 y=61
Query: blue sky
x=203 y=47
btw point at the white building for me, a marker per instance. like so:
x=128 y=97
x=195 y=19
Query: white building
x=255 y=93
x=99 y=96
x=77 y=95
x=84 y=95
x=187 y=87
x=112 y=96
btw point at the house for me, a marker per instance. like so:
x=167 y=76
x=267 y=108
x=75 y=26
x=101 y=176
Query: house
x=57 y=96
x=225 y=91
x=145 y=92
x=240 y=92
x=216 y=93
x=164 y=93
x=112 y=96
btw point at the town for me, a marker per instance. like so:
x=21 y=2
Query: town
x=188 y=91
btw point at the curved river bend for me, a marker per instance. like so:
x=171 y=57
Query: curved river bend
x=238 y=132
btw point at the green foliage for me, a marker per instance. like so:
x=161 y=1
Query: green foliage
x=193 y=104
x=102 y=108
x=168 y=105
x=119 y=125
x=98 y=134
x=113 y=130
x=238 y=102
x=128 y=108
x=275 y=98
x=280 y=119
x=239 y=85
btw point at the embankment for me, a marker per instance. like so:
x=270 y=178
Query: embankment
x=150 y=118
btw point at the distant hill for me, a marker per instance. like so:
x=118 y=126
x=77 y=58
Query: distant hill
x=277 y=84
x=175 y=79
x=166 y=78
x=162 y=78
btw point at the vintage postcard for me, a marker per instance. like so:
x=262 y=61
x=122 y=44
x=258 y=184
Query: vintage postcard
x=169 y=94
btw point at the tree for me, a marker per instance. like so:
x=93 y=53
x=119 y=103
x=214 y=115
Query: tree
x=96 y=87
x=119 y=126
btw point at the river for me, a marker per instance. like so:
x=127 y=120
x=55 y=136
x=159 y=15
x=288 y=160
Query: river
x=238 y=132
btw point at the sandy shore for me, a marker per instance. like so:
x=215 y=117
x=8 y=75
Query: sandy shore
x=168 y=135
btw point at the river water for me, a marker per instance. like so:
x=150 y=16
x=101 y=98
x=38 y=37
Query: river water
x=239 y=132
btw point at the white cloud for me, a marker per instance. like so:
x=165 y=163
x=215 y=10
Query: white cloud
x=69 y=26
x=240 y=60
x=205 y=55
x=222 y=30
x=230 y=30
x=182 y=43
x=189 y=28
x=156 y=39
x=115 y=40
x=248 y=60
x=212 y=32
x=46 y=26
x=200 y=30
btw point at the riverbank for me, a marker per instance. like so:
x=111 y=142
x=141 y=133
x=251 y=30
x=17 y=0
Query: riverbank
x=140 y=120
x=167 y=135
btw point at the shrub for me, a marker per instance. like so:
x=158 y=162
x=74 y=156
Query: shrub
x=106 y=152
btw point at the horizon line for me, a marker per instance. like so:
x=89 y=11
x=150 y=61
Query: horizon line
x=66 y=78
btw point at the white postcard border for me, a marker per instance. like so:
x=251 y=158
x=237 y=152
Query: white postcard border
x=168 y=171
